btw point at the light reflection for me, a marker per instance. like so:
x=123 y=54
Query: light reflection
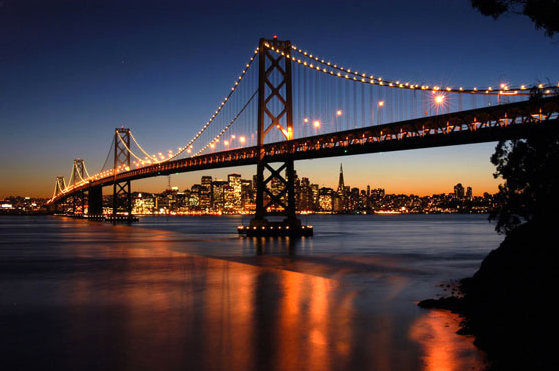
x=443 y=349
x=165 y=308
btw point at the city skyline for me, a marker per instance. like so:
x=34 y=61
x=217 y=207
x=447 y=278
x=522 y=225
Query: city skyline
x=236 y=195
x=75 y=72
x=222 y=175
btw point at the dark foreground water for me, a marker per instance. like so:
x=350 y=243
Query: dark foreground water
x=185 y=293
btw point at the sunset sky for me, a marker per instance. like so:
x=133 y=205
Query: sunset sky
x=72 y=71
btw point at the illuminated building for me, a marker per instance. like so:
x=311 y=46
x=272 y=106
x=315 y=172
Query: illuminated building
x=459 y=191
x=325 y=200
x=235 y=190
x=206 y=193
x=218 y=194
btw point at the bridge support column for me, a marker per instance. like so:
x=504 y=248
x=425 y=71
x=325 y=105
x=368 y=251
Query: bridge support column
x=95 y=202
x=122 y=196
x=275 y=87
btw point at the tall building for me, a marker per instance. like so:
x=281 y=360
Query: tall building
x=206 y=193
x=341 y=185
x=305 y=198
x=218 y=193
x=340 y=197
x=459 y=191
x=469 y=194
x=326 y=196
x=236 y=188
x=315 y=196
x=194 y=200
x=247 y=195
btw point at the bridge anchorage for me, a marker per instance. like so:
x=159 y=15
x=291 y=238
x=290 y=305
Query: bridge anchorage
x=275 y=86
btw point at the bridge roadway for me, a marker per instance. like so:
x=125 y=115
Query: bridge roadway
x=506 y=121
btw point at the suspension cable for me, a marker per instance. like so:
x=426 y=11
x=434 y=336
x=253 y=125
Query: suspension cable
x=141 y=149
x=228 y=125
x=207 y=124
x=335 y=70
x=127 y=148
x=108 y=155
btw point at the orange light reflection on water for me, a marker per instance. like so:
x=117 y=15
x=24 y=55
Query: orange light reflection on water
x=444 y=350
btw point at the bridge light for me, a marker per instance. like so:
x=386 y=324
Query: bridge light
x=242 y=139
x=316 y=124
x=339 y=112
x=381 y=103
x=305 y=120
x=439 y=99
x=226 y=142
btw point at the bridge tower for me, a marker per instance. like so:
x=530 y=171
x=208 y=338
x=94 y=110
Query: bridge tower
x=78 y=174
x=59 y=187
x=122 y=197
x=275 y=89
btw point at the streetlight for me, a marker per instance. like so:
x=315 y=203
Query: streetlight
x=338 y=114
x=379 y=105
x=439 y=102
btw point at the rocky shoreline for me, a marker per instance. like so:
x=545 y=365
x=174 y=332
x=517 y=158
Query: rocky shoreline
x=508 y=304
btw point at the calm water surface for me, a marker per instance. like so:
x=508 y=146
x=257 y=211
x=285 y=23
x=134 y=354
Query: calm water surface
x=186 y=293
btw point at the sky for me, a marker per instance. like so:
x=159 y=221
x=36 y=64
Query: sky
x=72 y=71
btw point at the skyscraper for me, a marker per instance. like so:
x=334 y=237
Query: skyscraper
x=341 y=181
x=235 y=184
x=206 y=193
x=459 y=191
x=339 y=200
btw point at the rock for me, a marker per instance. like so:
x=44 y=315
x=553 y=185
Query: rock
x=507 y=303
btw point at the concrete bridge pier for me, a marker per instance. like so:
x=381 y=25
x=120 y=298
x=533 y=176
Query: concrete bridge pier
x=95 y=201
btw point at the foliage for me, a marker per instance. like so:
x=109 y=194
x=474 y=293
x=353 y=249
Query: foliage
x=542 y=12
x=530 y=169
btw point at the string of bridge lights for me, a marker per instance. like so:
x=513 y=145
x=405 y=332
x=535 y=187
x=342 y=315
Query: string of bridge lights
x=321 y=65
x=188 y=148
x=152 y=159
x=216 y=139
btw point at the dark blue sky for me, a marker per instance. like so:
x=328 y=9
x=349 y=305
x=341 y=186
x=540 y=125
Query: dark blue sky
x=72 y=71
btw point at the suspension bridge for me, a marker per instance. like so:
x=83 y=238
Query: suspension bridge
x=294 y=105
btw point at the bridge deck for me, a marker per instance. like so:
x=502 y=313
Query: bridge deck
x=508 y=121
